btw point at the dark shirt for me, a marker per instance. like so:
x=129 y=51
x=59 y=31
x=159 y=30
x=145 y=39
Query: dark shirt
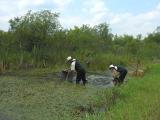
x=78 y=67
x=121 y=69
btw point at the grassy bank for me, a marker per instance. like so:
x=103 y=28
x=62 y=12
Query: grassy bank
x=139 y=99
x=31 y=97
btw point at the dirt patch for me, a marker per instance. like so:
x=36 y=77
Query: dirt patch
x=137 y=73
x=81 y=110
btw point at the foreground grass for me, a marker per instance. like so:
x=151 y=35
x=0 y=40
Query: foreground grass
x=36 y=98
x=139 y=99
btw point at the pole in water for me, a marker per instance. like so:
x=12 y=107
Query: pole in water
x=67 y=75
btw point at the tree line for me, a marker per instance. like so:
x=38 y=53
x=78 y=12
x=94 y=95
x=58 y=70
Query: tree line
x=37 y=39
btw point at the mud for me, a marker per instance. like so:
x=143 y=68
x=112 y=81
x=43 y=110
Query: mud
x=81 y=110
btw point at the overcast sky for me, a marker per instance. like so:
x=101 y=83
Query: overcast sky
x=123 y=16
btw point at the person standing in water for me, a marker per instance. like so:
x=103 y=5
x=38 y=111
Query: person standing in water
x=76 y=66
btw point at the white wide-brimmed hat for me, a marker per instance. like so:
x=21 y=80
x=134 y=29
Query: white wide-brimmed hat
x=69 y=58
x=112 y=66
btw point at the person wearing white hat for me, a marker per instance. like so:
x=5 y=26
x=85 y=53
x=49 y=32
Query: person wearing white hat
x=119 y=73
x=76 y=66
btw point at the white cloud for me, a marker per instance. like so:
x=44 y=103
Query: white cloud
x=135 y=24
x=96 y=6
x=22 y=4
x=10 y=9
x=62 y=4
x=96 y=12
x=3 y=22
x=92 y=12
x=70 y=21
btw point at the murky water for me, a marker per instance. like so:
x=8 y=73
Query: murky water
x=98 y=80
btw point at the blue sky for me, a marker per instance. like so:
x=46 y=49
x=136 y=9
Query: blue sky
x=133 y=6
x=123 y=16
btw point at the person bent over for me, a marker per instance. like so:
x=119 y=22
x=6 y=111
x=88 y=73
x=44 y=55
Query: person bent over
x=119 y=73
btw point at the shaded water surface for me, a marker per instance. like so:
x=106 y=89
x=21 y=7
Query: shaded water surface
x=94 y=79
x=99 y=80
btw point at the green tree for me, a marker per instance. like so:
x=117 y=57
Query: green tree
x=33 y=31
x=103 y=32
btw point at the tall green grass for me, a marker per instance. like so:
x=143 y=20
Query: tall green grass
x=139 y=99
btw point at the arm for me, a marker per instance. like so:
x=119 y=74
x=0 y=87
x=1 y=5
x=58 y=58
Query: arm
x=115 y=74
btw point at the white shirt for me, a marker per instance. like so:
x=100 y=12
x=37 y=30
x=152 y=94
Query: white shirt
x=73 y=65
